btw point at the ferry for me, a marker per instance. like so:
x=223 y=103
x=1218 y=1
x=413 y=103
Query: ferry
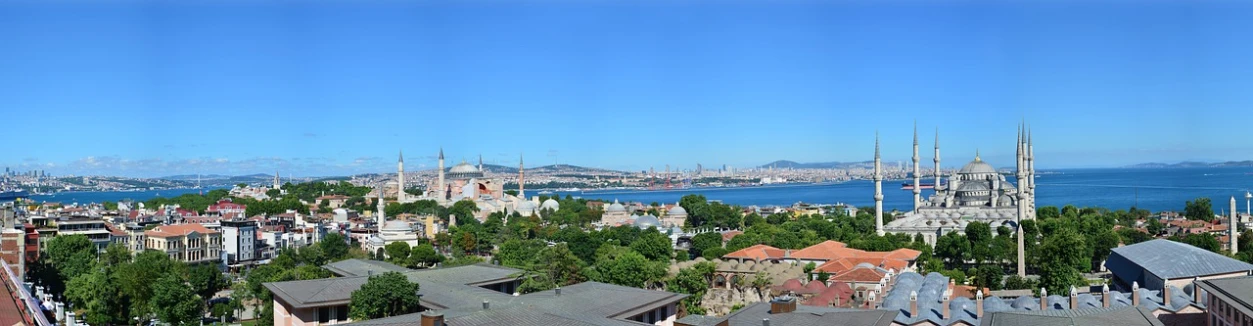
x=6 y=195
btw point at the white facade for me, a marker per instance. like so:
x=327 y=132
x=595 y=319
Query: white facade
x=239 y=239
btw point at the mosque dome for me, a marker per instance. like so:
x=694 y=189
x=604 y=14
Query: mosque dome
x=463 y=167
x=526 y=207
x=550 y=204
x=615 y=207
x=677 y=211
x=397 y=226
x=647 y=221
x=978 y=166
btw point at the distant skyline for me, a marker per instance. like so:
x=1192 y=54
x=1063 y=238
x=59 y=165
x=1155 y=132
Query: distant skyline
x=336 y=88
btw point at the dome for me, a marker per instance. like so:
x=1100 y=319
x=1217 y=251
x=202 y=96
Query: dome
x=646 y=221
x=978 y=166
x=615 y=208
x=463 y=167
x=550 y=204
x=526 y=206
x=677 y=211
x=397 y=226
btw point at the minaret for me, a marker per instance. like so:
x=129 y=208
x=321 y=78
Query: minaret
x=878 y=189
x=380 y=219
x=917 y=182
x=439 y=191
x=400 y=178
x=521 y=183
x=480 y=162
x=1031 y=174
x=1022 y=207
x=1231 y=229
x=1248 y=197
x=937 y=159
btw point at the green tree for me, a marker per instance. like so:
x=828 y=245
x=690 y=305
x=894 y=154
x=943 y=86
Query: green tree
x=424 y=255
x=206 y=280
x=334 y=246
x=174 y=302
x=554 y=266
x=628 y=269
x=397 y=252
x=1199 y=209
x=71 y=255
x=1154 y=226
x=989 y=276
x=137 y=279
x=519 y=253
x=705 y=241
x=1062 y=255
x=693 y=281
x=1203 y=241
x=98 y=294
x=653 y=245
x=384 y=295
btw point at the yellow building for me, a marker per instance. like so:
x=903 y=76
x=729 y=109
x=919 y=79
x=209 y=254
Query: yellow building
x=188 y=243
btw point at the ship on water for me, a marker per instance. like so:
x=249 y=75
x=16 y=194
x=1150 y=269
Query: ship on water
x=921 y=185
x=13 y=194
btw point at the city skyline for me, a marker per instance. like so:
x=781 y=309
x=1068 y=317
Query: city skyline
x=161 y=89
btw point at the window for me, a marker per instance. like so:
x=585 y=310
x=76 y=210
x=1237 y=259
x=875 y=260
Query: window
x=341 y=313
x=324 y=315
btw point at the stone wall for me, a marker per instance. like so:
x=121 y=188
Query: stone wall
x=718 y=302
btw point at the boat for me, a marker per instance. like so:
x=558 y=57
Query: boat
x=7 y=195
x=910 y=186
x=546 y=192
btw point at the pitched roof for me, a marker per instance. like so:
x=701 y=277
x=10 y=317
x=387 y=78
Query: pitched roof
x=178 y=230
x=1169 y=259
x=1123 y=316
x=1238 y=289
x=803 y=316
x=757 y=252
x=825 y=250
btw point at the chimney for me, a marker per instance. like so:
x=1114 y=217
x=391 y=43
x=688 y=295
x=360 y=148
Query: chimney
x=1105 y=296
x=870 y=300
x=945 y=309
x=1074 y=298
x=1044 y=299
x=787 y=254
x=979 y=304
x=1165 y=292
x=1135 y=294
x=432 y=318
x=1196 y=290
x=60 y=312
x=69 y=319
x=765 y=322
x=783 y=304
x=487 y=305
x=913 y=304
x=557 y=291
x=836 y=301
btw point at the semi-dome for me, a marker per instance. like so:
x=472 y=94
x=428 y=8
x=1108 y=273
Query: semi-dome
x=526 y=207
x=550 y=204
x=646 y=221
x=615 y=207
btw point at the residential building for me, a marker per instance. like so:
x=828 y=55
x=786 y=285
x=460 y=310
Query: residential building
x=1230 y=301
x=226 y=207
x=1153 y=264
x=239 y=239
x=93 y=228
x=189 y=243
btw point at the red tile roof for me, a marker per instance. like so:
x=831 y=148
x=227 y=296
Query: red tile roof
x=757 y=252
x=178 y=230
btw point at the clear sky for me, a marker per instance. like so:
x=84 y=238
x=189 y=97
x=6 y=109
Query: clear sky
x=332 y=88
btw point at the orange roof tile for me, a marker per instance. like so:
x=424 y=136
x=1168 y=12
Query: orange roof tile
x=825 y=250
x=757 y=252
x=859 y=275
x=178 y=230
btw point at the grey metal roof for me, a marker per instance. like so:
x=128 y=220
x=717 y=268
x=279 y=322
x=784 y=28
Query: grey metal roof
x=1124 y=316
x=439 y=287
x=1238 y=289
x=803 y=316
x=362 y=267
x=1170 y=260
x=588 y=303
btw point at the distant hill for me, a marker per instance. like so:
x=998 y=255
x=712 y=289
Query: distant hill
x=493 y=168
x=1187 y=164
x=785 y=164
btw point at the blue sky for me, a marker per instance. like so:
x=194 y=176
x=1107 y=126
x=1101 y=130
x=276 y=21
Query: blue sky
x=150 y=89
